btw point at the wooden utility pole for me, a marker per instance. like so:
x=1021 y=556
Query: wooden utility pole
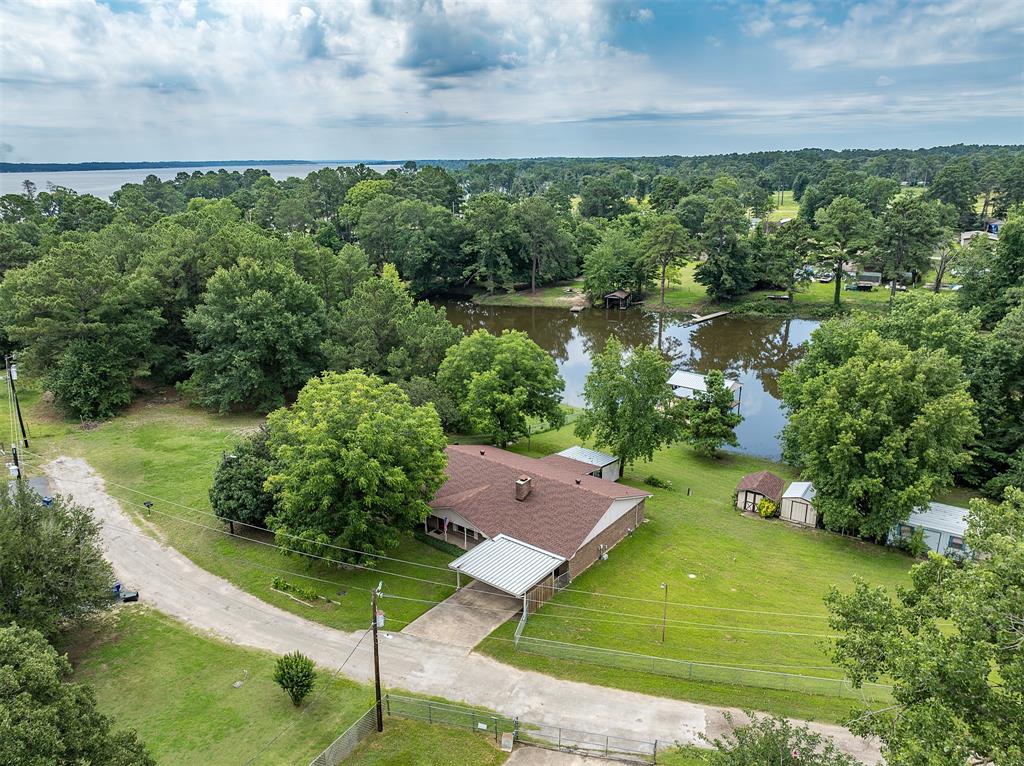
x=12 y=375
x=376 y=657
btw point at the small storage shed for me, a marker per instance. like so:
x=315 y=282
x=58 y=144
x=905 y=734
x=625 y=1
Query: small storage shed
x=944 y=527
x=605 y=466
x=620 y=299
x=797 y=504
x=755 y=486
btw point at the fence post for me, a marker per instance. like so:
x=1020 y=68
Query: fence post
x=655 y=754
x=495 y=719
x=559 y=737
x=387 y=699
x=605 y=745
x=430 y=713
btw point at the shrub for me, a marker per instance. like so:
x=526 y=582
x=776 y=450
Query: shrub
x=296 y=674
x=237 y=493
x=279 y=583
x=915 y=544
x=654 y=481
x=767 y=509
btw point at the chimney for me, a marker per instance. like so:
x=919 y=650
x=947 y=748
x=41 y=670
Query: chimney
x=578 y=482
x=481 y=452
x=523 y=486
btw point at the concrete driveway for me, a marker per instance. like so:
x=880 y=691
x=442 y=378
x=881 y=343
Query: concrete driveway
x=172 y=583
x=535 y=756
x=466 y=617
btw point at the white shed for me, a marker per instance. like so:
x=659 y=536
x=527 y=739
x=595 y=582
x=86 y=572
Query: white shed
x=605 y=466
x=798 y=504
x=943 y=526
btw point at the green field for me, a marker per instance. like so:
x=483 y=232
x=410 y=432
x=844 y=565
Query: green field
x=709 y=555
x=416 y=743
x=788 y=209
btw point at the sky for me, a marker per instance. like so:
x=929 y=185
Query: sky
x=92 y=80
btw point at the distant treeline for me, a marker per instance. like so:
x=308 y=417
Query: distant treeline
x=59 y=167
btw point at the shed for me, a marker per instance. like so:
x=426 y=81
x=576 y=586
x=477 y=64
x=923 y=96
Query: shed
x=507 y=564
x=944 y=527
x=686 y=384
x=756 y=486
x=798 y=504
x=604 y=466
x=620 y=299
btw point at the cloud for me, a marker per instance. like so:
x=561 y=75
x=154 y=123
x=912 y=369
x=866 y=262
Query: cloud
x=643 y=15
x=883 y=81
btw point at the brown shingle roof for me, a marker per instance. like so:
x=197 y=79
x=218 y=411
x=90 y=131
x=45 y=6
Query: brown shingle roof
x=763 y=482
x=557 y=515
x=578 y=467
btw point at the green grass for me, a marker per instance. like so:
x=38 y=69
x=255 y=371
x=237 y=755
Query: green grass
x=416 y=743
x=739 y=562
x=170 y=450
x=550 y=296
x=175 y=687
x=788 y=209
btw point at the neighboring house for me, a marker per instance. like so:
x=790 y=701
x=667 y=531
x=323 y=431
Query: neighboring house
x=944 y=527
x=530 y=526
x=589 y=461
x=967 y=236
x=755 y=487
x=686 y=384
x=797 y=504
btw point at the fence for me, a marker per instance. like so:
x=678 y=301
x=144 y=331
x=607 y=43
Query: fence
x=540 y=735
x=344 y=745
x=699 y=671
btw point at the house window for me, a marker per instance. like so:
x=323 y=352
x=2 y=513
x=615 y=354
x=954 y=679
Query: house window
x=906 y=531
x=956 y=543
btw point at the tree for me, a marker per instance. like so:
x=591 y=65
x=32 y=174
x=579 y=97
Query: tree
x=769 y=741
x=666 y=191
x=691 y=211
x=667 y=244
x=630 y=408
x=296 y=674
x=45 y=719
x=549 y=245
x=257 y=333
x=381 y=329
x=993 y=277
x=52 y=571
x=600 y=198
x=501 y=380
x=726 y=270
x=615 y=263
x=238 y=492
x=494 y=243
x=356 y=464
x=909 y=230
x=845 y=228
x=712 y=416
x=946 y=256
x=786 y=254
x=950 y=644
x=880 y=432
x=956 y=184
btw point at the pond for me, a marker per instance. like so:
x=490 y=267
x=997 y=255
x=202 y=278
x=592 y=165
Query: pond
x=753 y=350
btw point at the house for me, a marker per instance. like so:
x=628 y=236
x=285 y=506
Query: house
x=866 y=280
x=529 y=526
x=686 y=384
x=754 y=487
x=944 y=527
x=588 y=461
x=620 y=299
x=797 y=504
x=967 y=236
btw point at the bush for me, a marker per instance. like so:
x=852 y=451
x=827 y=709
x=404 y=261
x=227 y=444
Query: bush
x=237 y=493
x=914 y=545
x=654 y=481
x=296 y=674
x=281 y=584
x=766 y=509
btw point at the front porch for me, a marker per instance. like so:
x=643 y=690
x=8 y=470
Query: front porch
x=460 y=535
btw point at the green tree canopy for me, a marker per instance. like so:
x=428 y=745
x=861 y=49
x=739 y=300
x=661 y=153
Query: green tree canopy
x=45 y=719
x=615 y=263
x=548 y=244
x=880 y=433
x=725 y=272
x=356 y=464
x=950 y=644
x=909 y=230
x=630 y=407
x=238 y=492
x=711 y=416
x=844 y=231
x=52 y=570
x=495 y=242
x=667 y=244
x=258 y=333
x=767 y=741
x=499 y=381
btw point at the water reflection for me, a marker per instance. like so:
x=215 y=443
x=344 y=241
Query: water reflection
x=753 y=350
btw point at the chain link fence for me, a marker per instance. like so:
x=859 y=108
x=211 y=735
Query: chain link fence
x=699 y=671
x=345 y=745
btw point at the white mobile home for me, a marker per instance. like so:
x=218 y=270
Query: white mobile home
x=798 y=504
x=944 y=527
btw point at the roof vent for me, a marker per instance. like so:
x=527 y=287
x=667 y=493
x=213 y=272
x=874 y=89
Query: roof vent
x=523 y=486
x=578 y=481
x=481 y=452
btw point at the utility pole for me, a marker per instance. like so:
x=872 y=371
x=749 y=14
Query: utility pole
x=376 y=655
x=664 y=611
x=12 y=375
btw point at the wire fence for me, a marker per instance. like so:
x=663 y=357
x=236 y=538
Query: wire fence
x=345 y=745
x=704 y=672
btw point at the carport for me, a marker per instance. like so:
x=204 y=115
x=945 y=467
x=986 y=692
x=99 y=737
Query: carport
x=508 y=565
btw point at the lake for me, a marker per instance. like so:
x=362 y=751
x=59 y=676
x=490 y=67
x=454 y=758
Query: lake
x=753 y=350
x=103 y=183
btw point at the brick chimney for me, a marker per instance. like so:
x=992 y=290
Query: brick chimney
x=523 y=486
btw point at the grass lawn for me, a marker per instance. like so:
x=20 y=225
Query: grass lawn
x=416 y=743
x=788 y=209
x=175 y=687
x=709 y=555
x=550 y=296
x=170 y=450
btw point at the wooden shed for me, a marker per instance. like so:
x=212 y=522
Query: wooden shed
x=798 y=504
x=620 y=299
x=756 y=486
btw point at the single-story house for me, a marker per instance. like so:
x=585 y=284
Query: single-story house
x=529 y=526
x=797 y=504
x=686 y=384
x=755 y=487
x=967 y=236
x=944 y=527
x=620 y=299
x=587 y=461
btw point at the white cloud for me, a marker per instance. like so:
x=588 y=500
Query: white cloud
x=884 y=81
x=643 y=15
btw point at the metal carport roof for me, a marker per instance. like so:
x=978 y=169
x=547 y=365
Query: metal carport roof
x=507 y=564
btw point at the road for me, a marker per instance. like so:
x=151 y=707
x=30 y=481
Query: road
x=171 y=583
